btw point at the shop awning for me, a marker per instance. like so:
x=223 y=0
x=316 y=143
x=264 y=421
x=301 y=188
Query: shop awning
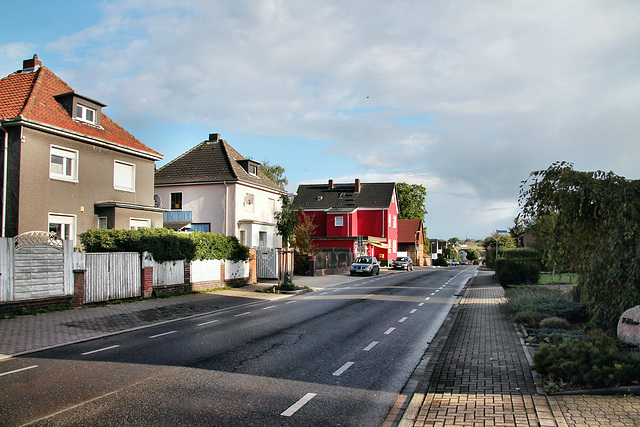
x=380 y=245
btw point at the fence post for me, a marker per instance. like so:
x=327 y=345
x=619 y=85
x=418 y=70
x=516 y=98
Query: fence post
x=187 y=276
x=253 y=266
x=147 y=275
x=312 y=265
x=78 y=287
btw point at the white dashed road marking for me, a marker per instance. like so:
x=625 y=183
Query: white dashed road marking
x=370 y=346
x=342 y=369
x=299 y=404
x=18 y=370
x=100 y=349
x=161 y=335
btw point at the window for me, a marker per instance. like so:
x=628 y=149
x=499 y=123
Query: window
x=338 y=221
x=124 y=176
x=262 y=238
x=253 y=169
x=86 y=114
x=389 y=220
x=394 y=222
x=102 y=222
x=63 y=225
x=203 y=227
x=243 y=237
x=176 y=200
x=135 y=223
x=63 y=164
x=272 y=206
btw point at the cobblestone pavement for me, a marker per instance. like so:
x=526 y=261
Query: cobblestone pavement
x=593 y=410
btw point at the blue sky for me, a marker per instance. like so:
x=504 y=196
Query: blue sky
x=465 y=98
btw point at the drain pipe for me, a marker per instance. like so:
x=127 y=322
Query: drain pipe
x=5 y=167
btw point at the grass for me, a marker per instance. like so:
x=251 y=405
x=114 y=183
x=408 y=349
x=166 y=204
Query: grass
x=557 y=279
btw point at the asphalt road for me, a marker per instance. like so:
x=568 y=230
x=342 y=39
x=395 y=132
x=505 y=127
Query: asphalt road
x=339 y=356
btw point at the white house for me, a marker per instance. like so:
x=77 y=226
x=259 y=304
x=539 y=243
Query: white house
x=212 y=188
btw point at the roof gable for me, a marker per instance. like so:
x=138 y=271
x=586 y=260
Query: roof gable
x=31 y=96
x=344 y=196
x=212 y=161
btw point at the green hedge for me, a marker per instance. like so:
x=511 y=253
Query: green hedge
x=165 y=244
x=518 y=266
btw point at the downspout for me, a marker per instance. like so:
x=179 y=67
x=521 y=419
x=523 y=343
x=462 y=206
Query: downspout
x=226 y=201
x=5 y=168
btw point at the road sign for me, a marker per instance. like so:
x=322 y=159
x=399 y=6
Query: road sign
x=497 y=236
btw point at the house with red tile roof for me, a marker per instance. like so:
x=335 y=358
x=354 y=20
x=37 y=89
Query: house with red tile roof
x=411 y=240
x=362 y=217
x=213 y=188
x=66 y=166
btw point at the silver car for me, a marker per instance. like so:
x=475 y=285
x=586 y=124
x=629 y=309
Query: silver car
x=365 y=265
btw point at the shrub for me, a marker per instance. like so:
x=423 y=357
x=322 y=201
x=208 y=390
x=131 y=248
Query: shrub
x=513 y=271
x=554 y=323
x=530 y=318
x=440 y=262
x=548 y=302
x=165 y=244
x=595 y=363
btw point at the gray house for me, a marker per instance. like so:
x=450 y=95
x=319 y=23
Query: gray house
x=68 y=166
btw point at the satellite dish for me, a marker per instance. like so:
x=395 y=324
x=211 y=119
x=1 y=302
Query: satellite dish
x=157 y=201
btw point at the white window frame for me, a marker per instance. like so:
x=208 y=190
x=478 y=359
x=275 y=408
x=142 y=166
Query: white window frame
x=117 y=183
x=69 y=163
x=81 y=114
x=253 y=170
x=338 y=221
x=103 y=222
x=67 y=221
x=243 y=237
x=395 y=223
x=139 y=221
x=263 y=237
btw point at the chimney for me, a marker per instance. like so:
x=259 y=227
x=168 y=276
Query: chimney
x=330 y=186
x=214 y=137
x=30 y=65
x=357 y=189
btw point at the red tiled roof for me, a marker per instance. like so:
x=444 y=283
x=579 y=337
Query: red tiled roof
x=407 y=230
x=31 y=96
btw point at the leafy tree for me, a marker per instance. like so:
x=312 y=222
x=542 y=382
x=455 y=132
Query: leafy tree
x=303 y=233
x=517 y=232
x=275 y=173
x=411 y=201
x=594 y=218
x=286 y=220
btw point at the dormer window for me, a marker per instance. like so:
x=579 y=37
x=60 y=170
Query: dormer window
x=86 y=114
x=250 y=166
x=81 y=108
x=253 y=169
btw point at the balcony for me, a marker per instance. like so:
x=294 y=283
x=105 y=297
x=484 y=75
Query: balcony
x=176 y=220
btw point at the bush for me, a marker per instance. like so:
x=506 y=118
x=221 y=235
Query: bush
x=165 y=244
x=548 y=302
x=440 y=262
x=529 y=318
x=554 y=323
x=595 y=363
x=511 y=271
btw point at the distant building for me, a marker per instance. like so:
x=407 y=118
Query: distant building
x=360 y=216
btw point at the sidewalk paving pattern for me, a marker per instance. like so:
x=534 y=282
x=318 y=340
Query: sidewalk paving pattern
x=478 y=373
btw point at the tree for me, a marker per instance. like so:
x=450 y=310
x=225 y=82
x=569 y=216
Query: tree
x=286 y=220
x=411 y=199
x=593 y=218
x=517 y=232
x=275 y=173
x=303 y=233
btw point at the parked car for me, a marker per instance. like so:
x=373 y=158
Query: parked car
x=453 y=262
x=365 y=265
x=402 y=263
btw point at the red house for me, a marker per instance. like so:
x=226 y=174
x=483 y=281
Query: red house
x=360 y=216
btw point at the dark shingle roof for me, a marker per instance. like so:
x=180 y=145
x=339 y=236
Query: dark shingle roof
x=344 y=196
x=210 y=161
x=31 y=96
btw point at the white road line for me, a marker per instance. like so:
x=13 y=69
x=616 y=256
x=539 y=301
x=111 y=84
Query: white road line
x=402 y=320
x=324 y=293
x=388 y=331
x=271 y=306
x=437 y=290
x=100 y=349
x=299 y=404
x=18 y=370
x=413 y=311
x=242 y=314
x=427 y=298
x=207 y=323
x=290 y=302
x=160 y=335
x=342 y=369
x=370 y=346
x=433 y=294
x=421 y=304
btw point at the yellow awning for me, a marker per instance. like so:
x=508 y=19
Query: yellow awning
x=380 y=245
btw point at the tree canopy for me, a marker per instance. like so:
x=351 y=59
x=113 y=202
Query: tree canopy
x=588 y=222
x=411 y=198
x=275 y=173
x=286 y=220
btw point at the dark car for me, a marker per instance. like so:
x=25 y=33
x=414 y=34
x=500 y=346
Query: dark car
x=402 y=263
x=365 y=265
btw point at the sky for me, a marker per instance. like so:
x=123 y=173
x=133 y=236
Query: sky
x=466 y=98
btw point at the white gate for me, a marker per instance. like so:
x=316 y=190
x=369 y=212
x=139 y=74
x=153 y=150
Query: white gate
x=267 y=262
x=111 y=276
